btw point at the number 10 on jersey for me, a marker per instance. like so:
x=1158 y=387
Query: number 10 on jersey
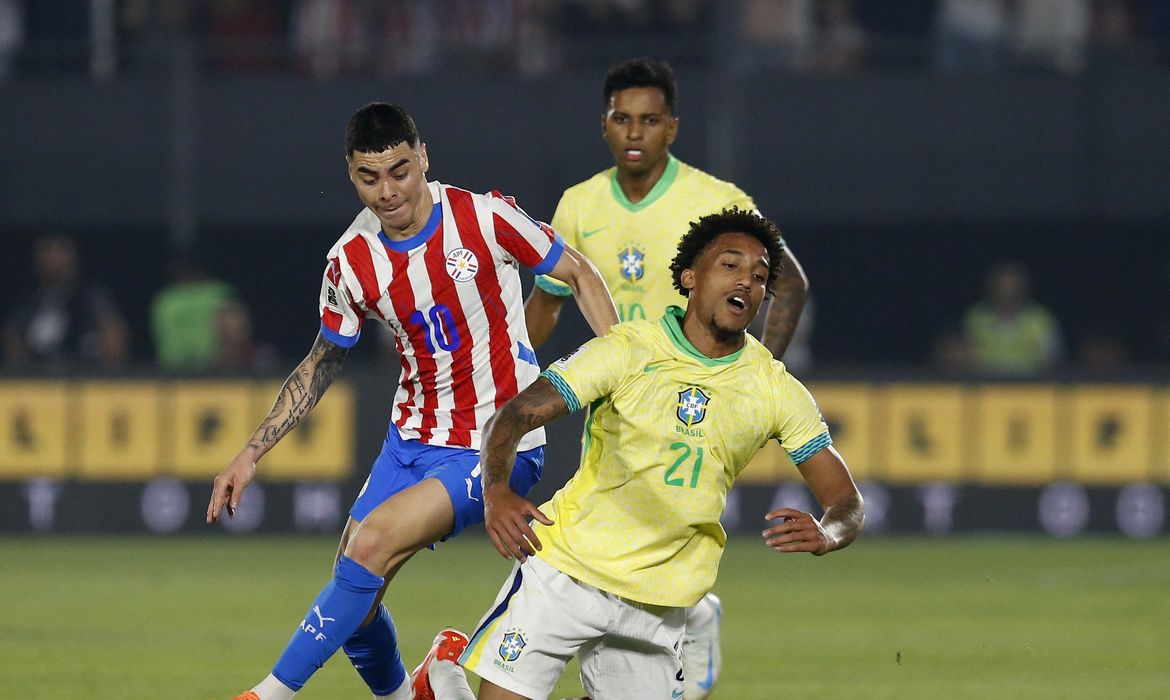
x=440 y=331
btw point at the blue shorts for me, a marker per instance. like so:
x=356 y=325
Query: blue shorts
x=404 y=463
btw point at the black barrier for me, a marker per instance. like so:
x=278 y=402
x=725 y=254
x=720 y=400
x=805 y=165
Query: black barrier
x=170 y=506
x=1061 y=509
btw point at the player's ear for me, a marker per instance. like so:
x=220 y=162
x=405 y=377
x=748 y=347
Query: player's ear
x=687 y=278
x=423 y=161
x=671 y=130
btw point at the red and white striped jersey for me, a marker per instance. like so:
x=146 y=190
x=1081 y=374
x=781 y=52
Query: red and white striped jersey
x=451 y=296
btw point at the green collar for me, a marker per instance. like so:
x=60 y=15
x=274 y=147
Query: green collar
x=655 y=192
x=672 y=324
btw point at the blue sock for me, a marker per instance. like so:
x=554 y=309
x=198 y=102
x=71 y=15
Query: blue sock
x=336 y=613
x=373 y=650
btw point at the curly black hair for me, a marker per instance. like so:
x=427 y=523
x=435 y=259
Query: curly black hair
x=642 y=72
x=734 y=220
x=379 y=126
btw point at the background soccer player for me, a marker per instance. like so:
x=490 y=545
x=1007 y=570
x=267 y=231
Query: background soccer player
x=628 y=219
x=436 y=264
x=680 y=405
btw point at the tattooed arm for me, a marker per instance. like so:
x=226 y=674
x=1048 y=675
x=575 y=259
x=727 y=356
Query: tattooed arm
x=300 y=393
x=506 y=513
x=788 y=298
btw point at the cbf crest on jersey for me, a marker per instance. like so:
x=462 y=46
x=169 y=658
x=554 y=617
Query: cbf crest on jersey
x=511 y=646
x=632 y=262
x=692 y=406
x=462 y=265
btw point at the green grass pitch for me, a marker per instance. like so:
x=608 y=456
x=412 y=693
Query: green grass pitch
x=963 y=617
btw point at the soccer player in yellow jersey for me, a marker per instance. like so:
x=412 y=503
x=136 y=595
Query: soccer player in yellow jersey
x=628 y=220
x=680 y=404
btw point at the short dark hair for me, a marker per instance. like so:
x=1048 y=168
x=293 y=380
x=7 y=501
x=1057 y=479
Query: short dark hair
x=734 y=220
x=642 y=72
x=377 y=127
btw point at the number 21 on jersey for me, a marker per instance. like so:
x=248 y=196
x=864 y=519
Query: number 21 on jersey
x=684 y=466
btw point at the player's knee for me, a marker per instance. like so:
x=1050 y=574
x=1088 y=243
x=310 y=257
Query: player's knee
x=377 y=547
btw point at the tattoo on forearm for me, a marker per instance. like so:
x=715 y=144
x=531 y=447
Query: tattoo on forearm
x=783 y=315
x=535 y=406
x=300 y=393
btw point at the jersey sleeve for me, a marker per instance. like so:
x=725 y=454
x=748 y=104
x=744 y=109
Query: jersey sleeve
x=801 y=430
x=341 y=317
x=533 y=244
x=593 y=370
x=563 y=222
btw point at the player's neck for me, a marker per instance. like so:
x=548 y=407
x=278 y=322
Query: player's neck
x=635 y=186
x=422 y=214
x=707 y=340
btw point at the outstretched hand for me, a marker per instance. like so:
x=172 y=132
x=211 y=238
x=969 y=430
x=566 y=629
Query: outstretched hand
x=797 y=532
x=506 y=517
x=228 y=487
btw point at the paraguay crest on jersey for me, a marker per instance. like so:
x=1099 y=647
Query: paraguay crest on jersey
x=692 y=406
x=632 y=263
x=462 y=264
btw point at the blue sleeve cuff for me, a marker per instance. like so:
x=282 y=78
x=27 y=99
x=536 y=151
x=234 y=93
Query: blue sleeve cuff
x=554 y=256
x=810 y=448
x=563 y=389
x=338 y=339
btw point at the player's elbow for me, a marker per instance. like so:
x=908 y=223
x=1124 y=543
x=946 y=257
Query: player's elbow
x=503 y=422
x=792 y=281
x=580 y=272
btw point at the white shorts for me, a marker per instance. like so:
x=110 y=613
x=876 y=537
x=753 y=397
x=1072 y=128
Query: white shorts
x=542 y=618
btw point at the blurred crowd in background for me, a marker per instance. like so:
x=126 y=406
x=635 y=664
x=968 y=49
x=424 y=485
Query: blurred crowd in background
x=393 y=38
x=68 y=318
x=69 y=321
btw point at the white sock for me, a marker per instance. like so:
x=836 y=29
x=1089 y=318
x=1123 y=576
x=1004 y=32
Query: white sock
x=403 y=692
x=449 y=681
x=272 y=689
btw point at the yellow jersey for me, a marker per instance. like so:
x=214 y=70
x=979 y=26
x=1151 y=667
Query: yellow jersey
x=668 y=431
x=632 y=244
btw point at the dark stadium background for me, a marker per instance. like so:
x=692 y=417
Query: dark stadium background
x=143 y=130
x=147 y=129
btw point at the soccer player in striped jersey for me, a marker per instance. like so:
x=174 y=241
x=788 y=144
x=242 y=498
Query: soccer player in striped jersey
x=680 y=405
x=438 y=265
x=628 y=219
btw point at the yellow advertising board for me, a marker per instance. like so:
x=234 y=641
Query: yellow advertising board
x=1015 y=434
x=321 y=446
x=34 y=429
x=119 y=429
x=1161 y=435
x=1011 y=434
x=921 y=431
x=1110 y=433
x=210 y=422
x=849 y=411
